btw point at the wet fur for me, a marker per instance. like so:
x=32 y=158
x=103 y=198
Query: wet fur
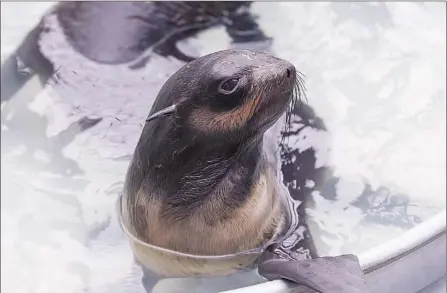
x=210 y=121
x=205 y=190
x=240 y=226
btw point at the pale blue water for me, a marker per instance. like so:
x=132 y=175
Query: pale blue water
x=375 y=72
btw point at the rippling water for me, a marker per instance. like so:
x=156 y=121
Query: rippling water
x=375 y=72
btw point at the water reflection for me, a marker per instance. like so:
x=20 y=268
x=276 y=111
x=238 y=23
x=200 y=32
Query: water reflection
x=374 y=76
x=376 y=89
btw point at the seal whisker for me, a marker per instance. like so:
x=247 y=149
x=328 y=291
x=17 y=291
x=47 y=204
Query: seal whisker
x=163 y=113
x=298 y=92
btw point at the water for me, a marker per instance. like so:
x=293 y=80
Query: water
x=375 y=72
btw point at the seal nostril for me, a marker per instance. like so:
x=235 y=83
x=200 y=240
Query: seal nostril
x=290 y=71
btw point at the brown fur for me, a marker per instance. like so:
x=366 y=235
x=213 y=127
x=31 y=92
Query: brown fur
x=263 y=214
x=209 y=121
x=221 y=195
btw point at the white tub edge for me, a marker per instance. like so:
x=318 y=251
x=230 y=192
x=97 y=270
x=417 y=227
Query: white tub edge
x=376 y=256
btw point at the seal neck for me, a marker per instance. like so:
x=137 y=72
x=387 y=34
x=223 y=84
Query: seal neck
x=184 y=171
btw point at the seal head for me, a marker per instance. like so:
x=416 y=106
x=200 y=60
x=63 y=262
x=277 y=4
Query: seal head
x=229 y=92
x=199 y=181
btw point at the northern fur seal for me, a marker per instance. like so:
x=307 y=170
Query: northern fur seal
x=200 y=182
x=201 y=198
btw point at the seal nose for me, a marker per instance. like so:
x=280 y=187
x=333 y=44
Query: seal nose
x=290 y=71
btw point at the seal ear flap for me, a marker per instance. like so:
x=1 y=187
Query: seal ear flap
x=162 y=113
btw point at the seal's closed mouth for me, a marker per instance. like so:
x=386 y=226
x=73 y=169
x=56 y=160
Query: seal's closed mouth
x=283 y=96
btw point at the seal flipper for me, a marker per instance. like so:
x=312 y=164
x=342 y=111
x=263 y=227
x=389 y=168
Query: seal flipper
x=340 y=274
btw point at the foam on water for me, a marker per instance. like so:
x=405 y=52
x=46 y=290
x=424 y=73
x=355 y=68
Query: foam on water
x=375 y=72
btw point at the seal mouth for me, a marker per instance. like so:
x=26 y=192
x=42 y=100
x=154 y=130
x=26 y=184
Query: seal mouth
x=281 y=95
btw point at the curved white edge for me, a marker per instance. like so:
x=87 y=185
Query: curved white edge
x=409 y=240
x=375 y=256
x=276 y=286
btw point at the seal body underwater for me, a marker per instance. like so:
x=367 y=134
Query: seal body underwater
x=118 y=32
x=121 y=32
x=200 y=182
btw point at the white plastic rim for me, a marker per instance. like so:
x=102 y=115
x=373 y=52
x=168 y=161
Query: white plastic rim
x=375 y=257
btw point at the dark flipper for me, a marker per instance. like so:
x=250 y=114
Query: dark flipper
x=341 y=274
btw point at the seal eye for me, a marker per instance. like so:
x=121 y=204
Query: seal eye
x=229 y=86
